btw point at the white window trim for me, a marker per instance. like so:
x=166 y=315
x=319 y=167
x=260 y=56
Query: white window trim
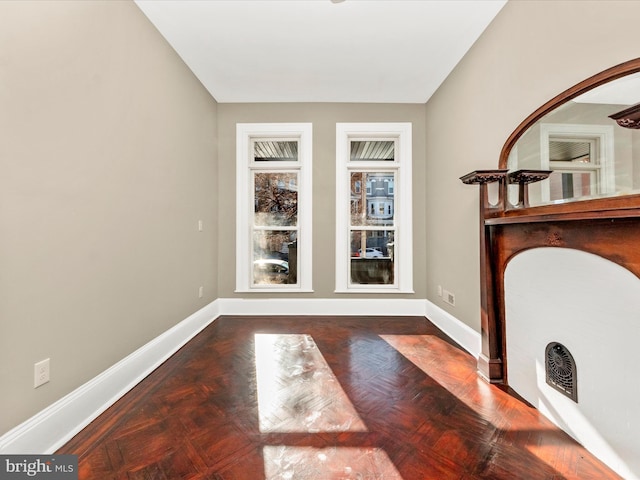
x=245 y=132
x=403 y=251
x=603 y=133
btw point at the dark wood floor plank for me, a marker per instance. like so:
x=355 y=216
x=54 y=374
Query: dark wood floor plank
x=422 y=412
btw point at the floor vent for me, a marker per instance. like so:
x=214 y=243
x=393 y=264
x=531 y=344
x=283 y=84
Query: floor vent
x=561 y=370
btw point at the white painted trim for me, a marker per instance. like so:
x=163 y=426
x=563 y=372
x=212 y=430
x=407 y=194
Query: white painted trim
x=460 y=332
x=402 y=167
x=244 y=203
x=322 y=306
x=51 y=428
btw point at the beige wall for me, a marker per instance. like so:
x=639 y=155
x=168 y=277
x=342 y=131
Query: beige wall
x=532 y=51
x=324 y=118
x=107 y=161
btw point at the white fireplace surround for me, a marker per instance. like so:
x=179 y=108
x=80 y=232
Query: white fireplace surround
x=592 y=307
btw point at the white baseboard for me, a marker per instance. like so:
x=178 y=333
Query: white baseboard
x=460 y=332
x=51 y=428
x=322 y=306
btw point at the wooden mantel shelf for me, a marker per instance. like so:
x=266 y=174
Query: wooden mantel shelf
x=627 y=206
x=522 y=178
x=615 y=206
x=525 y=177
x=629 y=117
x=484 y=176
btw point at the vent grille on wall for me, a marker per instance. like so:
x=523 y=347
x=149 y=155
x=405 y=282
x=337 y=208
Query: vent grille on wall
x=561 y=370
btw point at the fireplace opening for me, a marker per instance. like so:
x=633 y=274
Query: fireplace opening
x=560 y=370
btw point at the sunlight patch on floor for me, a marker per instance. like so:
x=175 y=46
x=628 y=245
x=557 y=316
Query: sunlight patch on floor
x=297 y=390
x=345 y=463
x=426 y=352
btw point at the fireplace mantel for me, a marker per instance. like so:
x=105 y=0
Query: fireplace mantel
x=607 y=225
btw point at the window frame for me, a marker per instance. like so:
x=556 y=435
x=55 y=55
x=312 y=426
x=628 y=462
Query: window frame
x=601 y=136
x=246 y=166
x=401 y=133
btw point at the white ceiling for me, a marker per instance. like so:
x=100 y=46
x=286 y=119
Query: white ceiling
x=387 y=51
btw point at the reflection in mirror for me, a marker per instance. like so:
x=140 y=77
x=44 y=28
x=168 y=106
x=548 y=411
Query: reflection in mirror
x=591 y=152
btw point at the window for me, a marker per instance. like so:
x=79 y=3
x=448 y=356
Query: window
x=273 y=216
x=581 y=157
x=576 y=168
x=373 y=225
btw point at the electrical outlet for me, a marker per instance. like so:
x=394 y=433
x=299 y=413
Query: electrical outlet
x=439 y=290
x=200 y=225
x=41 y=373
x=200 y=292
x=449 y=297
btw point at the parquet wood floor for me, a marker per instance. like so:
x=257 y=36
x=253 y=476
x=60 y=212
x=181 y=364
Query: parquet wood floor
x=323 y=398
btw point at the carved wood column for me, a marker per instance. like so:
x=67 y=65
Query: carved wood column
x=490 y=360
x=523 y=178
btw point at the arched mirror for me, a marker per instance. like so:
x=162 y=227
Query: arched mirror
x=588 y=136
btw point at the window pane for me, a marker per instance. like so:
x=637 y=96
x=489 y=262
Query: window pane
x=565 y=185
x=374 y=204
x=372 y=257
x=569 y=151
x=372 y=150
x=275 y=257
x=275 y=199
x=275 y=151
